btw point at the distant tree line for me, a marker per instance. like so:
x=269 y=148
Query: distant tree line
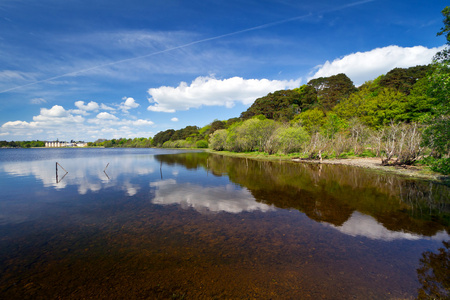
x=21 y=144
x=122 y=143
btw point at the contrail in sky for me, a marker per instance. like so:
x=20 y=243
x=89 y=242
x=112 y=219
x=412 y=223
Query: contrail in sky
x=271 y=24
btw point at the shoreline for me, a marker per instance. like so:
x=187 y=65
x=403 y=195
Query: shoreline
x=372 y=163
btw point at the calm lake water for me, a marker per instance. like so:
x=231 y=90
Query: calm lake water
x=161 y=224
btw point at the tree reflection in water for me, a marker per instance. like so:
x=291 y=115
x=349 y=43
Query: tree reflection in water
x=434 y=274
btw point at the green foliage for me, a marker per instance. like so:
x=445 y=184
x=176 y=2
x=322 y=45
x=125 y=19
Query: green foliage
x=22 y=144
x=163 y=136
x=403 y=79
x=445 y=30
x=201 y=144
x=123 y=143
x=184 y=133
x=280 y=105
x=216 y=125
x=331 y=90
x=289 y=139
x=311 y=120
x=437 y=135
x=217 y=140
x=251 y=135
x=333 y=124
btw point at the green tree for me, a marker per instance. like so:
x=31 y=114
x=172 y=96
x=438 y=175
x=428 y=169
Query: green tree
x=333 y=124
x=289 y=139
x=403 y=79
x=311 y=120
x=217 y=140
x=280 y=105
x=331 y=90
x=437 y=135
x=251 y=135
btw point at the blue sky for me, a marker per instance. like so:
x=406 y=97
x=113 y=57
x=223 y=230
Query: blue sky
x=85 y=70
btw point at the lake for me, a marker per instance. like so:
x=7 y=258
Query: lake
x=167 y=224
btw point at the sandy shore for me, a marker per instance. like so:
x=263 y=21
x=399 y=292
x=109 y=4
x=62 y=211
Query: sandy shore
x=375 y=163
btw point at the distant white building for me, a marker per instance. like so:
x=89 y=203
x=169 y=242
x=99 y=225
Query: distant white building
x=58 y=144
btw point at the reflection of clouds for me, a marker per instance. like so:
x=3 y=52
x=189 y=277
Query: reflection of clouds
x=213 y=199
x=130 y=188
x=363 y=225
x=86 y=173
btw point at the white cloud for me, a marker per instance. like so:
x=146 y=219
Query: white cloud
x=141 y=122
x=106 y=107
x=363 y=66
x=38 y=101
x=91 y=106
x=56 y=115
x=129 y=103
x=56 y=111
x=18 y=124
x=106 y=116
x=79 y=112
x=209 y=91
x=174 y=119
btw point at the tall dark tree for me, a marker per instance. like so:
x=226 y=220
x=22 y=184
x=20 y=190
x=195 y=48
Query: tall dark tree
x=162 y=137
x=403 y=79
x=280 y=105
x=331 y=90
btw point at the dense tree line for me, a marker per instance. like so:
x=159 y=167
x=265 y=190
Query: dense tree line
x=21 y=144
x=122 y=143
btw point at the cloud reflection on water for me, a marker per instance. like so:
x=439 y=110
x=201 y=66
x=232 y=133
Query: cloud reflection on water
x=363 y=225
x=206 y=199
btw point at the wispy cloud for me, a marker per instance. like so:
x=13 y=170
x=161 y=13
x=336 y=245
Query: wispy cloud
x=38 y=101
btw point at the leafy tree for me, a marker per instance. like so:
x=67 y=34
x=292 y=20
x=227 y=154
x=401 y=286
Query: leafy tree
x=403 y=79
x=163 y=136
x=333 y=124
x=217 y=140
x=216 y=125
x=308 y=97
x=280 y=105
x=182 y=134
x=289 y=139
x=331 y=90
x=201 y=144
x=437 y=135
x=311 y=119
x=251 y=135
x=445 y=30
x=354 y=105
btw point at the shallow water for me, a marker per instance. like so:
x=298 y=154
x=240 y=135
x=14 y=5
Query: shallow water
x=146 y=223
